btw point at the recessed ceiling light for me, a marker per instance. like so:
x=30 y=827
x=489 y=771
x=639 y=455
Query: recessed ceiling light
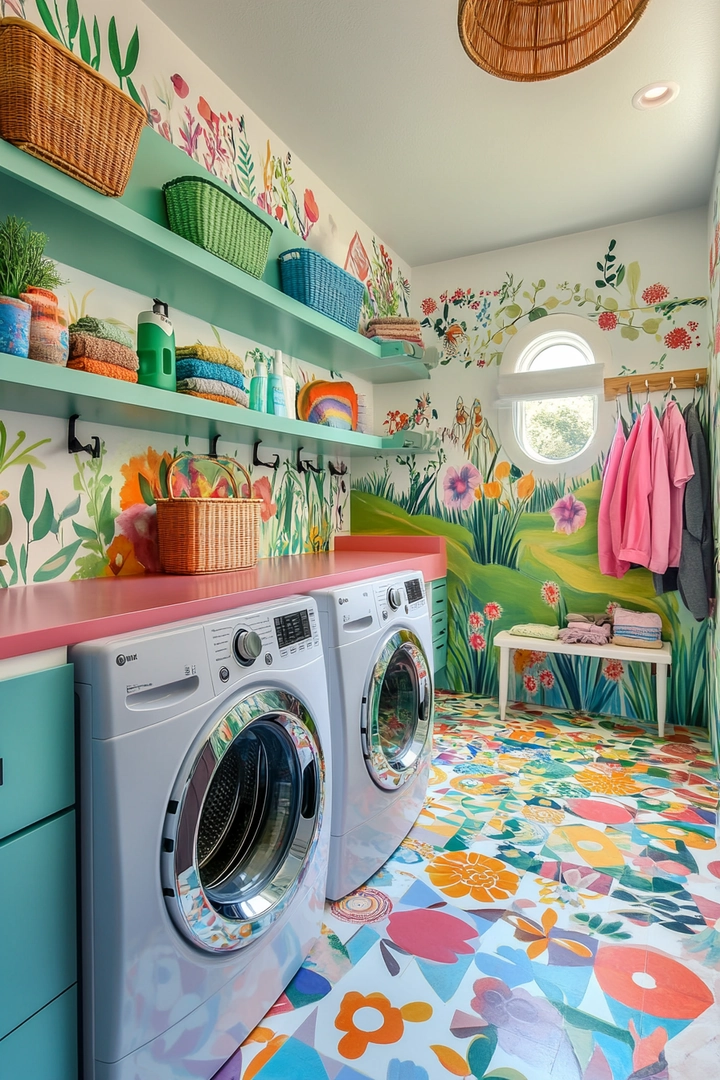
x=654 y=95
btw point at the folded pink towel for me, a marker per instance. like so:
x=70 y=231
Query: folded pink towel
x=585 y=634
x=648 y=619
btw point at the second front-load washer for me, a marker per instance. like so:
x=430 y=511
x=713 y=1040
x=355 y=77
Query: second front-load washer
x=378 y=648
x=204 y=834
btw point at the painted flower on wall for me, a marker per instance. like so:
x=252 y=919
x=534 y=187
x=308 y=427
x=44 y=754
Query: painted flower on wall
x=477 y=642
x=614 y=670
x=547 y=679
x=139 y=524
x=459 y=487
x=261 y=490
x=607 y=320
x=122 y=561
x=311 y=207
x=655 y=294
x=530 y=683
x=550 y=593
x=142 y=475
x=569 y=515
x=492 y=611
x=180 y=87
x=679 y=338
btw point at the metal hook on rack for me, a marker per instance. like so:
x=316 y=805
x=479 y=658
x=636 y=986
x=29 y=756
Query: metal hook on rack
x=274 y=464
x=335 y=471
x=305 y=466
x=75 y=446
x=213 y=451
x=647 y=391
x=695 y=387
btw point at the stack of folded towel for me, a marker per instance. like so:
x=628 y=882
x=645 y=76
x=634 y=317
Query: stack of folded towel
x=394 y=328
x=638 y=629
x=212 y=372
x=102 y=348
x=536 y=630
x=585 y=633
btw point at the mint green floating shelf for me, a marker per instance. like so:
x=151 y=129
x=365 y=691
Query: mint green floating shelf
x=27 y=386
x=126 y=241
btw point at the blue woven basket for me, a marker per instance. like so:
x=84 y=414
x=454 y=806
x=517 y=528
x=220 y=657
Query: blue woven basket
x=316 y=281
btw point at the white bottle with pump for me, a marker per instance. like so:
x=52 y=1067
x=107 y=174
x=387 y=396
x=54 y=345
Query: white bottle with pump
x=276 y=388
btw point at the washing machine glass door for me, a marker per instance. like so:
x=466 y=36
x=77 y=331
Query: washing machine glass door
x=397 y=713
x=243 y=822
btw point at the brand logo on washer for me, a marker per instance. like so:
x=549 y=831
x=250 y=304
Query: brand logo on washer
x=125 y=659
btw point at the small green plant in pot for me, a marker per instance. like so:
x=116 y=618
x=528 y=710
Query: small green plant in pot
x=22 y=264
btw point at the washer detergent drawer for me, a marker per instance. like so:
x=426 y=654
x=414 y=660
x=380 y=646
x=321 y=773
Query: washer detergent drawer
x=38 y=954
x=46 y=1045
x=37 y=747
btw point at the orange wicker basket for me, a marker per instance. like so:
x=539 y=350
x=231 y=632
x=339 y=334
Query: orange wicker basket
x=56 y=107
x=206 y=536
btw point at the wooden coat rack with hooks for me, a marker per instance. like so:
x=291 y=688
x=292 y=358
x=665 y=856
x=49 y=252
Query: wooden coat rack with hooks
x=656 y=381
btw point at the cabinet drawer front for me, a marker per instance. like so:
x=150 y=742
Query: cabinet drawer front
x=439 y=625
x=37 y=747
x=440 y=654
x=46 y=1045
x=439 y=596
x=38 y=951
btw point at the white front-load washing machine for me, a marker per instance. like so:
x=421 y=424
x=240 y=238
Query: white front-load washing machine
x=378 y=649
x=205 y=752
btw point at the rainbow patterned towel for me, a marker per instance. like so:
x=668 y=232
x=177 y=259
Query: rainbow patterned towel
x=332 y=404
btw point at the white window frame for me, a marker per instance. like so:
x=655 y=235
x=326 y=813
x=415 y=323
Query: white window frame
x=517 y=384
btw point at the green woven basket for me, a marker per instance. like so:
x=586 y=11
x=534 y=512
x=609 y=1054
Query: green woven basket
x=213 y=219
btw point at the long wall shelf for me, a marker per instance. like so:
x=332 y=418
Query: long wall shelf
x=126 y=241
x=43 y=389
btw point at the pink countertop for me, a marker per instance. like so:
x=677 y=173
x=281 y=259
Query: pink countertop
x=38 y=617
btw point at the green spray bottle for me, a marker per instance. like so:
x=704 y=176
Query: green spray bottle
x=156 y=348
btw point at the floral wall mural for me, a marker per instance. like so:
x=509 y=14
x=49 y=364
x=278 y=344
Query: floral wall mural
x=73 y=517
x=193 y=109
x=522 y=536
x=713 y=683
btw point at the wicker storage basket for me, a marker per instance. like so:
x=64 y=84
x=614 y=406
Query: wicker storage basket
x=215 y=220
x=316 y=281
x=59 y=109
x=205 y=536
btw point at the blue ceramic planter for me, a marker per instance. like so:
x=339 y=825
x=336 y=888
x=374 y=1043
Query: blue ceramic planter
x=14 y=326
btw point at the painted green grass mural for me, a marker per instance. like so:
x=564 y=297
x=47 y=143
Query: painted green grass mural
x=520 y=551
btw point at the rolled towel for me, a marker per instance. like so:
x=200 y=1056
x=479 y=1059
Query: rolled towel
x=634 y=643
x=536 y=630
x=214 y=354
x=97 y=367
x=192 y=368
x=603 y=632
x=209 y=397
x=600 y=619
x=393 y=320
x=101 y=328
x=214 y=386
x=107 y=352
x=584 y=634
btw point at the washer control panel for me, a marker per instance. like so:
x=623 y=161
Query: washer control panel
x=400 y=596
x=280 y=636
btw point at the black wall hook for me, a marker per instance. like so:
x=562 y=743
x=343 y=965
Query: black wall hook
x=274 y=464
x=335 y=471
x=213 y=446
x=74 y=444
x=305 y=466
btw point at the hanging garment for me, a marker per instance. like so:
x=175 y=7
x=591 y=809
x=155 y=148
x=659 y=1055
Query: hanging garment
x=646 y=529
x=680 y=468
x=696 y=572
x=609 y=563
x=618 y=501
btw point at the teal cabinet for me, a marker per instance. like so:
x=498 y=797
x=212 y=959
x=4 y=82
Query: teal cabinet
x=437 y=596
x=38 y=942
x=37 y=747
x=45 y=1047
x=38 y=928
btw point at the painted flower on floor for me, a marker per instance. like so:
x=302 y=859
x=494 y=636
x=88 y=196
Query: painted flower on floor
x=543 y=935
x=651 y=982
x=371 y=1018
x=459 y=487
x=607 y=782
x=528 y=1027
x=569 y=515
x=363 y=905
x=431 y=934
x=468 y=873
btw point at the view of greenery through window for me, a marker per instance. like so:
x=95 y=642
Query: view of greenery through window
x=560 y=428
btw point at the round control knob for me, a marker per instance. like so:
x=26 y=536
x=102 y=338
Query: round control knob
x=395 y=598
x=247 y=646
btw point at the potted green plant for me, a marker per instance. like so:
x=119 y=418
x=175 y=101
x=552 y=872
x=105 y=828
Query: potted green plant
x=22 y=265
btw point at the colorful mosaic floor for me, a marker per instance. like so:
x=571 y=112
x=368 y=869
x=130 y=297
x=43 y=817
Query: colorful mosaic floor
x=554 y=915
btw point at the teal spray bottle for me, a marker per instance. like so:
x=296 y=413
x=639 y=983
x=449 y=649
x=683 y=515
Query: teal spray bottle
x=156 y=348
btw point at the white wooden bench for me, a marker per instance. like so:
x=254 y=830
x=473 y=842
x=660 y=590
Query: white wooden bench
x=506 y=642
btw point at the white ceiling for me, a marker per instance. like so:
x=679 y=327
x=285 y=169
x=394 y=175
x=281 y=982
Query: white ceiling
x=440 y=158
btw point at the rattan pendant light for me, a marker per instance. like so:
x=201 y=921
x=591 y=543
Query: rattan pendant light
x=530 y=40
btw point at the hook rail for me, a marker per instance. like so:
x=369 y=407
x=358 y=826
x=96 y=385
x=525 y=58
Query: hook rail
x=657 y=381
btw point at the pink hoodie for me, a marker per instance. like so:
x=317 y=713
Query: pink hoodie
x=681 y=470
x=646 y=531
x=609 y=563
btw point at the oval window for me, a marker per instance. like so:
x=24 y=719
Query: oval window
x=556 y=428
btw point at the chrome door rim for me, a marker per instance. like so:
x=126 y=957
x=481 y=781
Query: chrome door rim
x=384 y=772
x=223 y=928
